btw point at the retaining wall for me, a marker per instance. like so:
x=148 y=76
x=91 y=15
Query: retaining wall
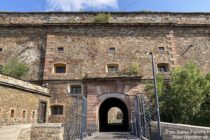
x=171 y=131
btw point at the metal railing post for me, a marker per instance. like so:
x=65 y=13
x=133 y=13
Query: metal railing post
x=156 y=96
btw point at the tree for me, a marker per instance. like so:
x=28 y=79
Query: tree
x=203 y=117
x=15 y=68
x=187 y=92
x=160 y=88
x=182 y=99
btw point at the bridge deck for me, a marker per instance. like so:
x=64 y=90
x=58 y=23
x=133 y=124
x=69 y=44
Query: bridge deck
x=111 y=136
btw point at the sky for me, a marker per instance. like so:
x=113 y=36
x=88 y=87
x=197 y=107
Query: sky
x=105 y=5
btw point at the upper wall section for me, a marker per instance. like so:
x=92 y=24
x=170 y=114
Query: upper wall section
x=117 y=17
x=26 y=44
x=12 y=82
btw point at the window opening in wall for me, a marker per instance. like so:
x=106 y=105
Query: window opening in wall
x=12 y=113
x=1 y=50
x=61 y=49
x=24 y=114
x=161 y=49
x=33 y=114
x=57 y=110
x=76 y=89
x=163 y=67
x=60 y=68
x=112 y=68
x=112 y=50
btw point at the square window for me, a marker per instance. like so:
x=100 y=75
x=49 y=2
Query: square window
x=60 y=68
x=161 y=49
x=112 y=50
x=57 y=110
x=61 y=49
x=112 y=68
x=76 y=89
x=1 y=50
x=163 y=68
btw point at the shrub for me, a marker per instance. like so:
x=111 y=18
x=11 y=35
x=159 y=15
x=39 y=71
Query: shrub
x=102 y=18
x=182 y=100
x=134 y=68
x=15 y=68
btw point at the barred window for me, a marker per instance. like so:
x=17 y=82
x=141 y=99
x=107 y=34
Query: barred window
x=57 y=110
x=163 y=67
x=111 y=50
x=76 y=89
x=60 y=68
x=113 y=68
x=161 y=49
x=60 y=49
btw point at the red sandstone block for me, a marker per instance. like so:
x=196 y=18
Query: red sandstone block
x=49 y=53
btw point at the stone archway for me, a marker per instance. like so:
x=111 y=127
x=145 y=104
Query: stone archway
x=106 y=105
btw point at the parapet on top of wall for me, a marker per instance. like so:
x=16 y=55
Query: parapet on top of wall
x=12 y=82
x=48 y=18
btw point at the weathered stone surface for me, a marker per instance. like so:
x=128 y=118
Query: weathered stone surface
x=27 y=44
x=47 y=132
x=75 y=17
x=42 y=132
x=20 y=96
x=35 y=38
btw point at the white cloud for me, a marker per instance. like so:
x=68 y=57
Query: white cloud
x=76 y=5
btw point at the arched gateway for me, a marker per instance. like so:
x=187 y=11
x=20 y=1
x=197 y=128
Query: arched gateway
x=109 y=112
x=104 y=125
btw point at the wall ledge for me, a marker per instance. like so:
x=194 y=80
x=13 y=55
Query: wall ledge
x=19 y=84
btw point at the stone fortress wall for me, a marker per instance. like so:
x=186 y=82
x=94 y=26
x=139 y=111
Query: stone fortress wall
x=174 y=39
x=45 y=18
x=27 y=35
x=20 y=101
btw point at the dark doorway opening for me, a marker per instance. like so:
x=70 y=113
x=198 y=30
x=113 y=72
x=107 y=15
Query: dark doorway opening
x=104 y=125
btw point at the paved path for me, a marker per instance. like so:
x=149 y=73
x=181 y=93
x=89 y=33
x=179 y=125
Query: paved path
x=110 y=136
x=12 y=132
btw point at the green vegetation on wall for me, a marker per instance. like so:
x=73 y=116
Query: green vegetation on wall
x=134 y=68
x=102 y=18
x=15 y=68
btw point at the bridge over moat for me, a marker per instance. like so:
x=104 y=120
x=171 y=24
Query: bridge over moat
x=134 y=122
